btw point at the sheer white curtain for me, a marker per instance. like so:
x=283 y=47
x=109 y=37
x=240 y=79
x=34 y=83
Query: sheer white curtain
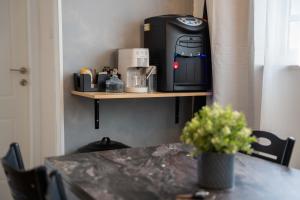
x=231 y=45
x=275 y=60
x=280 y=108
x=251 y=57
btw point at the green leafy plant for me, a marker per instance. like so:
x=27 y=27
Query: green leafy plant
x=219 y=130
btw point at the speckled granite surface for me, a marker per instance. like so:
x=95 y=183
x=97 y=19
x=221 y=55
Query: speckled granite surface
x=164 y=171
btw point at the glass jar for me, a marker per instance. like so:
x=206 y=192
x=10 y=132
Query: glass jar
x=114 y=84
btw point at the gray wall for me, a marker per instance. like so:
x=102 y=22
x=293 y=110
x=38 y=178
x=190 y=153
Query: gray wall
x=92 y=31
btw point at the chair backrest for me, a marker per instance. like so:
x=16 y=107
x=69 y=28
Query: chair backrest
x=14 y=157
x=56 y=190
x=24 y=185
x=278 y=151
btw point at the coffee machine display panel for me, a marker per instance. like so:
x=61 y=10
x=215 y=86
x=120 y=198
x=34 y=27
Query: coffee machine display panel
x=190 y=21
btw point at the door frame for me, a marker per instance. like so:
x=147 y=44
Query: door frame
x=46 y=76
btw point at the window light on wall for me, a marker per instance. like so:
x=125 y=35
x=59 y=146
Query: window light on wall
x=294 y=24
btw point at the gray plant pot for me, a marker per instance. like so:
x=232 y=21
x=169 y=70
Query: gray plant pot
x=216 y=170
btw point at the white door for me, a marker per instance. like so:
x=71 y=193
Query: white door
x=14 y=103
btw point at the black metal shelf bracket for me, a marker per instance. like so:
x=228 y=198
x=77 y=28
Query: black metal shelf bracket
x=198 y=102
x=177 y=105
x=97 y=108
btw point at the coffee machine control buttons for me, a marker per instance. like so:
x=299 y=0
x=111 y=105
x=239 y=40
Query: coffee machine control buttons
x=190 y=21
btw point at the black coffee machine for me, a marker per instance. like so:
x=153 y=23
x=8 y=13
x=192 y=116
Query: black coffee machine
x=180 y=48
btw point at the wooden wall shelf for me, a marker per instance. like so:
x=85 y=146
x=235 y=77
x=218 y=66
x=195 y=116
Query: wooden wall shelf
x=198 y=102
x=105 y=95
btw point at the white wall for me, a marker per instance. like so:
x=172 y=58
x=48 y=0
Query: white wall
x=92 y=31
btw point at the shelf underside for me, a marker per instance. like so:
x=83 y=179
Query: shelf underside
x=105 y=95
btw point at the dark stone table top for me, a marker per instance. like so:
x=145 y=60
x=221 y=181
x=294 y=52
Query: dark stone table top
x=164 y=171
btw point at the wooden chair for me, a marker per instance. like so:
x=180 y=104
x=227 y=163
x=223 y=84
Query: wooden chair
x=56 y=189
x=278 y=151
x=24 y=185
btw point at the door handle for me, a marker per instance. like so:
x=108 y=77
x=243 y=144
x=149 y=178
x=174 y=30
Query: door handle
x=22 y=70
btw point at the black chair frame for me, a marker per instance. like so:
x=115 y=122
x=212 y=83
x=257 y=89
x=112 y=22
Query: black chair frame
x=281 y=149
x=26 y=185
x=14 y=157
x=31 y=184
x=56 y=190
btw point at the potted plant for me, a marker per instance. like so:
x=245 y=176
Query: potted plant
x=217 y=134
